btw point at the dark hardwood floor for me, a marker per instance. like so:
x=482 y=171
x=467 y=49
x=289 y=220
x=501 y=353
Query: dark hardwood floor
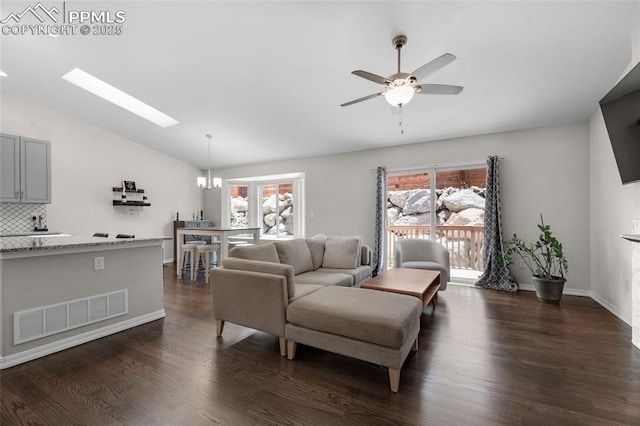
x=485 y=358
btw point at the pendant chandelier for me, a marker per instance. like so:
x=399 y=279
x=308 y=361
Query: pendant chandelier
x=207 y=182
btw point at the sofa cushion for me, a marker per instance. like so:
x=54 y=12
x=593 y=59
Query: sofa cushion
x=359 y=274
x=423 y=264
x=274 y=268
x=318 y=277
x=303 y=290
x=316 y=248
x=295 y=253
x=378 y=317
x=341 y=253
x=263 y=253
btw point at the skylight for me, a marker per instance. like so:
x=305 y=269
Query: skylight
x=116 y=96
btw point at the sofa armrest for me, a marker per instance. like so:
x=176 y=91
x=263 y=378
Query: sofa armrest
x=282 y=269
x=397 y=255
x=440 y=254
x=366 y=255
x=252 y=299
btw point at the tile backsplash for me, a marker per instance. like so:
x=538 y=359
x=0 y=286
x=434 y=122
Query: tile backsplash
x=15 y=218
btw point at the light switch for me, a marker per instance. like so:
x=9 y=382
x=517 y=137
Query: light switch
x=98 y=263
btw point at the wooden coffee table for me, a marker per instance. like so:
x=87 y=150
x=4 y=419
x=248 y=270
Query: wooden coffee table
x=421 y=283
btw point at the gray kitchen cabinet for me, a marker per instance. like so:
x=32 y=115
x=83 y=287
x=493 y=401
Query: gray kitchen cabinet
x=25 y=167
x=9 y=168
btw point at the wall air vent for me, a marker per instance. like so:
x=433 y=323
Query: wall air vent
x=47 y=320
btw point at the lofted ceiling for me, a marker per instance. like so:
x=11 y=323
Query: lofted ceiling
x=266 y=79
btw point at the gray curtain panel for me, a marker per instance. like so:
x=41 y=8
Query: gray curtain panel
x=494 y=277
x=379 y=262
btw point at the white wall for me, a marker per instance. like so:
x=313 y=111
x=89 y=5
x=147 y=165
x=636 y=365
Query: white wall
x=86 y=162
x=545 y=171
x=613 y=206
x=612 y=209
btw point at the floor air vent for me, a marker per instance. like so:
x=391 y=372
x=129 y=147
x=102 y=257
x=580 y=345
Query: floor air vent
x=47 y=320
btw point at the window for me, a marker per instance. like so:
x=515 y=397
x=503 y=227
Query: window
x=277 y=209
x=239 y=207
x=274 y=204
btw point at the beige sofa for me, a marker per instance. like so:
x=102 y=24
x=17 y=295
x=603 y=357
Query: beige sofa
x=325 y=261
x=302 y=291
x=257 y=283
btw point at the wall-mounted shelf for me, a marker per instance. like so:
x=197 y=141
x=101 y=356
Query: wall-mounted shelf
x=119 y=189
x=131 y=203
x=137 y=201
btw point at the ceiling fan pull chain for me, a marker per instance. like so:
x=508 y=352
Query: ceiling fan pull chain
x=400 y=122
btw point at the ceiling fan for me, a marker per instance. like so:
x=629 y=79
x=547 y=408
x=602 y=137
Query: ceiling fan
x=400 y=87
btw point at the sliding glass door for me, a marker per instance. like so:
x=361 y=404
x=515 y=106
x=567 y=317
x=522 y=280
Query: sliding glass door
x=444 y=204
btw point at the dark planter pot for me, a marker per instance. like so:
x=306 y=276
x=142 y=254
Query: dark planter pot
x=549 y=291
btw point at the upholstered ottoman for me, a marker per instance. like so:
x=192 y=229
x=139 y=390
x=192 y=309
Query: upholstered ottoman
x=370 y=325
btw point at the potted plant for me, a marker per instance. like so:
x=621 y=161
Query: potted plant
x=544 y=258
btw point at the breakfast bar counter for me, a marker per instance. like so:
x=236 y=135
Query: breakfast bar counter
x=60 y=290
x=37 y=245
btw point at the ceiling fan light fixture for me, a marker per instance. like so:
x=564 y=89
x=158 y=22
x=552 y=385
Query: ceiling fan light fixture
x=399 y=96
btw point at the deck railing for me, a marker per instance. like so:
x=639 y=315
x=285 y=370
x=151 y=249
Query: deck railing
x=463 y=242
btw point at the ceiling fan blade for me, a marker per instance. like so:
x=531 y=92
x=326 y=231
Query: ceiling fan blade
x=366 y=98
x=439 y=89
x=371 y=77
x=433 y=66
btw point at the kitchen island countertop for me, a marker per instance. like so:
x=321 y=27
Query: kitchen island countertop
x=33 y=243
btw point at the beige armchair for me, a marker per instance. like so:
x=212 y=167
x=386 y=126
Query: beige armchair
x=423 y=254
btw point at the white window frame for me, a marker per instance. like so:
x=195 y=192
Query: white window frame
x=254 y=200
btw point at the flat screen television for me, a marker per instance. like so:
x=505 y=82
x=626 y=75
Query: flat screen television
x=621 y=111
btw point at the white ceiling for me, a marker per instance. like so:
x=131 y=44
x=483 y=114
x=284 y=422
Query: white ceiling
x=266 y=79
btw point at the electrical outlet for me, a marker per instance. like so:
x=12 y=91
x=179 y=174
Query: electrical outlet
x=98 y=263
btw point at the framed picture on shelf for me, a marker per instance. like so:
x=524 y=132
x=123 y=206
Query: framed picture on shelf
x=129 y=185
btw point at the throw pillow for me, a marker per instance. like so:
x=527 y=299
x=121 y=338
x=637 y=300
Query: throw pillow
x=358 y=237
x=341 y=253
x=316 y=247
x=295 y=253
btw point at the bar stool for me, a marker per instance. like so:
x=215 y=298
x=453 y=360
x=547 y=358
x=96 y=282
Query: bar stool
x=215 y=254
x=204 y=254
x=189 y=251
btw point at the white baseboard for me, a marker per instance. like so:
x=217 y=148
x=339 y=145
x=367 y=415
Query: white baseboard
x=567 y=290
x=40 y=351
x=526 y=287
x=585 y=293
x=609 y=307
